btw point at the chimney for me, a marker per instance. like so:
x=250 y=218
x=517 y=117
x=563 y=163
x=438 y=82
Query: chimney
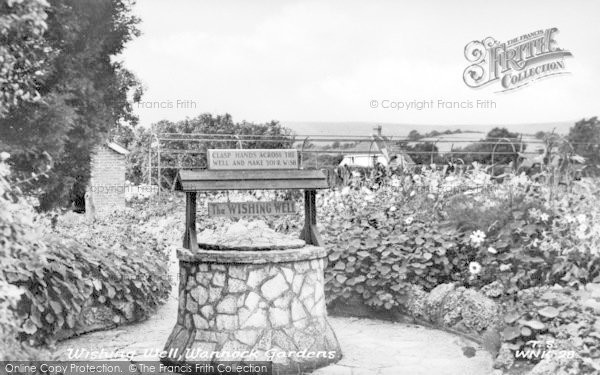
x=377 y=130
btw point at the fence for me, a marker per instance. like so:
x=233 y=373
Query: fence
x=188 y=150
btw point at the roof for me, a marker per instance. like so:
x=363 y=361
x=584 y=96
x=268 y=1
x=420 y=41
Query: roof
x=206 y=180
x=371 y=148
x=364 y=147
x=117 y=148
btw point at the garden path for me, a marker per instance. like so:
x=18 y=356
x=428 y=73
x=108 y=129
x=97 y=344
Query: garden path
x=369 y=346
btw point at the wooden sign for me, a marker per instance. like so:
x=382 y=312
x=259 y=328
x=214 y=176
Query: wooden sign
x=234 y=159
x=251 y=208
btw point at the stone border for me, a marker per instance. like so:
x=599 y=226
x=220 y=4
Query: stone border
x=251 y=257
x=457 y=310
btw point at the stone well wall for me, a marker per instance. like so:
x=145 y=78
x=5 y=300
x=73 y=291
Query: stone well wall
x=268 y=304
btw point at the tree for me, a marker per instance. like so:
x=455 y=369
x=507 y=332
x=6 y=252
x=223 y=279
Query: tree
x=84 y=96
x=500 y=146
x=24 y=52
x=497 y=133
x=423 y=153
x=585 y=139
x=414 y=135
x=267 y=135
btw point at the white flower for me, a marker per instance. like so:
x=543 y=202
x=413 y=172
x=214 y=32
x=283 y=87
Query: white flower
x=412 y=193
x=534 y=213
x=544 y=217
x=4 y=155
x=474 y=268
x=504 y=267
x=477 y=237
x=345 y=190
x=535 y=242
x=491 y=250
x=408 y=220
x=580 y=232
x=581 y=218
x=393 y=208
x=569 y=218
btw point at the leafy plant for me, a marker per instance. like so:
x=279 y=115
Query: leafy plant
x=48 y=279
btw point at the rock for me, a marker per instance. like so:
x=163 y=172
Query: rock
x=298 y=312
x=200 y=294
x=505 y=358
x=493 y=290
x=191 y=306
x=569 y=362
x=416 y=302
x=288 y=273
x=236 y=286
x=274 y=287
x=201 y=351
x=199 y=322
x=477 y=311
x=437 y=295
x=256 y=277
x=284 y=300
x=252 y=301
x=214 y=294
x=242 y=235
x=207 y=311
x=228 y=305
x=235 y=230
x=257 y=320
x=226 y=322
x=247 y=336
x=297 y=283
x=278 y=317
x=237 y=272
x=473 y=309
x=218 y=279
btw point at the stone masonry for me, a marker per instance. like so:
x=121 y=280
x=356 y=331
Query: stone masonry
x=253 y=306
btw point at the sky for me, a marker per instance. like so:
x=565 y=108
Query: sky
x=330 y=61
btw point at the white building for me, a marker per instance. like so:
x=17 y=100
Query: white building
x=368 y=155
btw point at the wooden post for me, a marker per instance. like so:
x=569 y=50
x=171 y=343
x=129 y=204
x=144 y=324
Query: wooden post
x=309 y=233
x=189 y=237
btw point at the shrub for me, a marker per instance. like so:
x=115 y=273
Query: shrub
x=381 y=241
x=52 y=276
x=19 y=250
x=543 y=242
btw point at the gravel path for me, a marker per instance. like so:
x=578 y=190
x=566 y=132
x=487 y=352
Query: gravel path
x=368 y=346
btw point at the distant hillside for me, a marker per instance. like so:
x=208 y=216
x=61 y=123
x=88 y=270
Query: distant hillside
x=400 y=130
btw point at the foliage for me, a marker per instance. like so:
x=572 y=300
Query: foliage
x=423 y=153
x=83 y=95
x=555 y=244
x=500 y=146
x=218 y=130
x=23 y=51
x=382 y=239
x=487 y=205
x=110 y=264
x=585 y=137
x=540 y=318
x=20 y=248
x=414 y=135
x=49 y=276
